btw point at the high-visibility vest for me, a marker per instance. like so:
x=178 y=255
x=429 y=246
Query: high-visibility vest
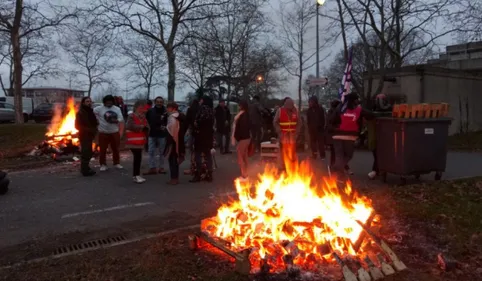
x=136 y=138
x=287 y=122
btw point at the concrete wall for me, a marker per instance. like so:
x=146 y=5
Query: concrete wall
x=461 y=90
x=463 y=93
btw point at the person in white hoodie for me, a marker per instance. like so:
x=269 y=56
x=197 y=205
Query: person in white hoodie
x=175 y=148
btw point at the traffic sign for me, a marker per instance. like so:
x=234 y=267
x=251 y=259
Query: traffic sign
x=313 y=81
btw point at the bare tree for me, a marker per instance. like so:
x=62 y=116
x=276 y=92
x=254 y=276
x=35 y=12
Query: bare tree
x=89 y=47
x=297 y=23
x=146 y=60
x=233 y=37
x=468 y=20
x=196 y=59
x=164 y=23
x=405 y=29
x=38 y=57
x=19 y=20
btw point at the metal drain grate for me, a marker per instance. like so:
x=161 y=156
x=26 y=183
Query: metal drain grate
x=88 y=245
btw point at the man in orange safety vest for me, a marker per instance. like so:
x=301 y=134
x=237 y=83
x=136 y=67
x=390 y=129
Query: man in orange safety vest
x=287 y=124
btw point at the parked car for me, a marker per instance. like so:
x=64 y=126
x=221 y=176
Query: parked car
x=7 y=107
x=45 y=111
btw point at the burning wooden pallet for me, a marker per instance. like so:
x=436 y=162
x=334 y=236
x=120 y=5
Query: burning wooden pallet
x=423 y=110
x=352 y=269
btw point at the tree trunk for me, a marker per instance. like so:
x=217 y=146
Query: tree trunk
x=17 y=62
x=171 y=82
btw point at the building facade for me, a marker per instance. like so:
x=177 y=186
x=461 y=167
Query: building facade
x=51 y=95
x=461 y=89
x=462 y=56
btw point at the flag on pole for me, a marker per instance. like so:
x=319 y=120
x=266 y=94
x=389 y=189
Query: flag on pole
x=346 y=81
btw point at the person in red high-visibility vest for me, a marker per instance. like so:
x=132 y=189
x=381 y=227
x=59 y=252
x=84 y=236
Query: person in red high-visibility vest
x=287 y=124
x=136 y=137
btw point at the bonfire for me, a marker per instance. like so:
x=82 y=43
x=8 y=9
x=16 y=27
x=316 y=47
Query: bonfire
x=62 y=131
x=61 y=138
x=294 y=219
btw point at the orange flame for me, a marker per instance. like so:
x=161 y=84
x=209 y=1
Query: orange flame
x=62 y=128
x=293 y=208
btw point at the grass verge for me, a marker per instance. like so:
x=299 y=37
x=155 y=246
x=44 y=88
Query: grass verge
x=18 y=139
x=419 y=221
x=470 y=141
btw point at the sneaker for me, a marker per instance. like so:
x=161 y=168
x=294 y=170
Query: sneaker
x=372 y=175
x=139 y=179
x=162 y=171
x=103 y=168
x=118 y=166
x=151 y=171
x=89 y=173
x=173 y=182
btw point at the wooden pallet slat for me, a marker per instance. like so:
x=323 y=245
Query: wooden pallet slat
x=436 y=110
x=421 y=110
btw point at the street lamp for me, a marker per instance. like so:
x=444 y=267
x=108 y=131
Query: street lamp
x=319 y=3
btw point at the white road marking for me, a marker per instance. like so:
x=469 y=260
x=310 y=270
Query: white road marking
x=120 y=207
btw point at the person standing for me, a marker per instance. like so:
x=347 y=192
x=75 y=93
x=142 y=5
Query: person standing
x=223 y=128
x=86 y=123
x=157 y=118
x=111 y=128
x=347 y=126
x=288 y=125
x=175 y=148
x=316 y=127
x=136 y=129
x=203 y=140
x=241 y=136
x=256 y=112
x=123 y=107
x=190 y=117
x=329 y=129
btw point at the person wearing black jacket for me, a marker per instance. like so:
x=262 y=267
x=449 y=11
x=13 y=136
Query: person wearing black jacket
x=223 y=127
x=316 y=127
x=241 y=135
x=203 y=140
x=157 y=119
x=86 y=123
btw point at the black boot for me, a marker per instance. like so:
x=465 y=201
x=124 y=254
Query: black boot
x=196 y=177
x=209 y=176
x=88 y=173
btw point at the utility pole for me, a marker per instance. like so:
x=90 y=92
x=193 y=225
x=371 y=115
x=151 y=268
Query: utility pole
x=319 y=3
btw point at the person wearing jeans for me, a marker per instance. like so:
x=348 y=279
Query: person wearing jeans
x=136 y=129
x=111 y=127
x=157 y=118
x=241 y=135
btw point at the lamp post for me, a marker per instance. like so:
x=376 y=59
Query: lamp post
x=319 y=3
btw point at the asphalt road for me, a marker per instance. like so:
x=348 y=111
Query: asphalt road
x=47 y=202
